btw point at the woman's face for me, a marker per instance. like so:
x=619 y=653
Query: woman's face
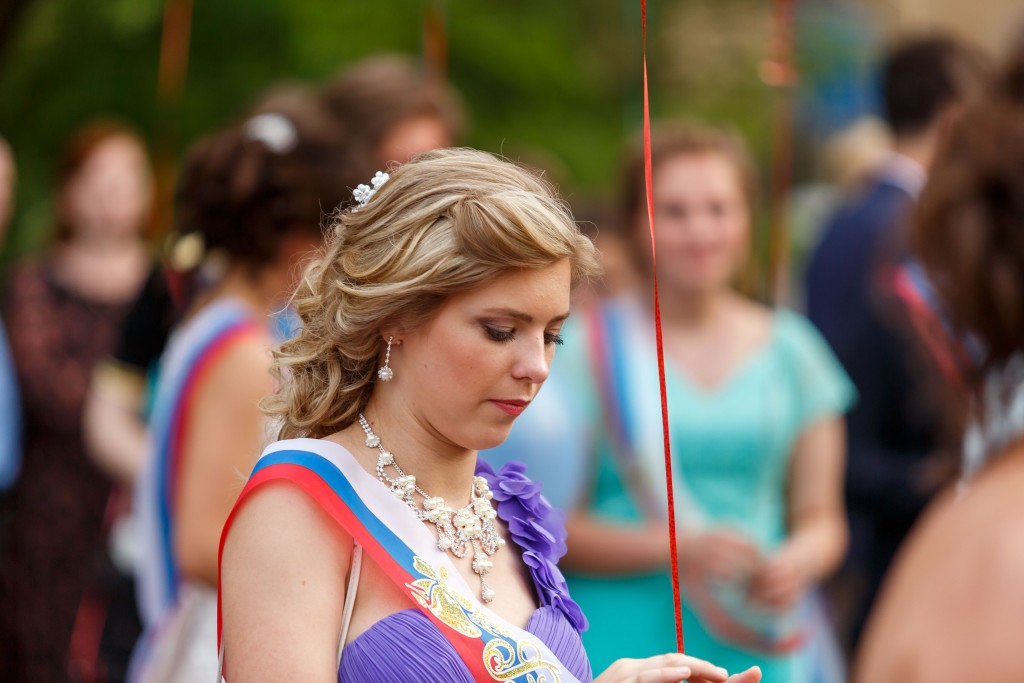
x=7 y=179
x=110 y=194
x=412 y=137
x=702 y=223
x=468 y=372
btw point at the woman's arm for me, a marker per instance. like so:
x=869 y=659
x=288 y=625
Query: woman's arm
x=115 y=435
x=283 y=589
x=602 y=547
x=224 y=438
x=817 y=520
x=607 y=548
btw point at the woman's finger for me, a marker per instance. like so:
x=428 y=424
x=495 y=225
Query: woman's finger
x=672 y=674
x=706 y=672
x=751 y=675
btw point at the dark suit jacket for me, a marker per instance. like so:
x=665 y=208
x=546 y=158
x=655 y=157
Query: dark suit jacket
x=893 y=428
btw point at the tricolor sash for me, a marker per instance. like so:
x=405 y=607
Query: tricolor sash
x=190 y=354
x=405 y=549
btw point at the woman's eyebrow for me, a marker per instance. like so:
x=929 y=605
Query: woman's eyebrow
x=520 y=315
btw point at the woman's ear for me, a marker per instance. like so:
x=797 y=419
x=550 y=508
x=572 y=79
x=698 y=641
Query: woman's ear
x=395 y=333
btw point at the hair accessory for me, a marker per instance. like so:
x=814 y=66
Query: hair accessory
x=459 y=532
x=386 y=374
x=363 y=192
x=273 y=130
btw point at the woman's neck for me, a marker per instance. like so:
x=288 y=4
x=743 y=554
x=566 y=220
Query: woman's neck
x=247 y=288
x=689 y=309
x=441 y=467
x=104 y=245
x=102 y=270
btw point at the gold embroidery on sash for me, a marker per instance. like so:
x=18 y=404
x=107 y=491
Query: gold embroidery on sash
x=504 y=664
x=433 y=593
x=504 y=660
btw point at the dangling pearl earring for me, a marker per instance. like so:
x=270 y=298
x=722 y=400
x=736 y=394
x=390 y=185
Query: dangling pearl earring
x=385 y=374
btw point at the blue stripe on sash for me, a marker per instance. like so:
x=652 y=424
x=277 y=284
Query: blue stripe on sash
x=340 y=484
x=166 y=414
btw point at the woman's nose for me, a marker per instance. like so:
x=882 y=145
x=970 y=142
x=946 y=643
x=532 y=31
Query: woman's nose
x=533 y=362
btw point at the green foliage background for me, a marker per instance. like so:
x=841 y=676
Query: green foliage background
x=557 y=84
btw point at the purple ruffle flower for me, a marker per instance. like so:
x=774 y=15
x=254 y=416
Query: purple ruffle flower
x=538 y=529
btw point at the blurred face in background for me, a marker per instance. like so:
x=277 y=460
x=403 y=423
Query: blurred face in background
x=109 y=195
x=7 y=178
x=702 y=223
x=411 y=137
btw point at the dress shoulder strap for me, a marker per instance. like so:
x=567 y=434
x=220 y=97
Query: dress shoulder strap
x=350 y=596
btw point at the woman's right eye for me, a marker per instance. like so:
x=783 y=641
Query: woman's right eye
x=500 y=334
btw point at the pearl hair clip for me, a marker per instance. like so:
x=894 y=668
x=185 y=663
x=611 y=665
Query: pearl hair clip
x=273 y=130
x=363 y=192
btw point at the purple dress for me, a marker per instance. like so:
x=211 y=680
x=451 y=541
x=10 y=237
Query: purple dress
x=406 y=646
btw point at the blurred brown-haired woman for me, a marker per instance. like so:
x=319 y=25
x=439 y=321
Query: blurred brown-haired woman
x=755 y=400
x=62 y=314
x=393 y=110
x=952 y=608
x=250 y=198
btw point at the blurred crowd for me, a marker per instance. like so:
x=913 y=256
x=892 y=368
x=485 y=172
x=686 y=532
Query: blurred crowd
x=808 y=440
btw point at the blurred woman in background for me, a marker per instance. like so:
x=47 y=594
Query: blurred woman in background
x=62 y=314
x=952 y=607
x=10 y=411
x=393 y=111
x=755 y=400
x=250 y=200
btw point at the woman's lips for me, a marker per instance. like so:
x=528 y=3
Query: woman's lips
x=513 y=407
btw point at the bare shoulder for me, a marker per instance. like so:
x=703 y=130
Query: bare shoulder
x=283 y=578
x=245 y=362
x=952 y=608
x=278 y=520
x=753 y=321
x=237 y=381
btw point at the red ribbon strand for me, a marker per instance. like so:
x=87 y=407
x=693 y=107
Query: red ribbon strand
x=669 y=488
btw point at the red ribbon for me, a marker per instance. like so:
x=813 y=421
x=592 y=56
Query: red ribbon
x=673 y=544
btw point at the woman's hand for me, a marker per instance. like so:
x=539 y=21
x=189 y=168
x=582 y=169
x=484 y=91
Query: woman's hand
x=673 y=668
x=719 y=554
x=779 y=582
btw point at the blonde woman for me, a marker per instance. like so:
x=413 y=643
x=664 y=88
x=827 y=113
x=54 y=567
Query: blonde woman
x=371 y=544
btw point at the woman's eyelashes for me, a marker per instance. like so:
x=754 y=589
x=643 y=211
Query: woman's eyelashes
x=507 y=334
x=499 y=334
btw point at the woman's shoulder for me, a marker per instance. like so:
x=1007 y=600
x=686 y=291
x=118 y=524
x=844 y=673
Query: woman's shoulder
x=968 y=549
x=790 y=324
x=797 y=337
x=271 y=503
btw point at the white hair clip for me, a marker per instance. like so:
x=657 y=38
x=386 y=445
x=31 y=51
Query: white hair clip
x=363 y=192
x=273 y=130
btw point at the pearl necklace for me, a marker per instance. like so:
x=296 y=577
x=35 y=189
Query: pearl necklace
x=460 y=531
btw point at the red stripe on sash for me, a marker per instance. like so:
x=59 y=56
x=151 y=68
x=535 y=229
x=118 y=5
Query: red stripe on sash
x=202 y=367
x=470 y=650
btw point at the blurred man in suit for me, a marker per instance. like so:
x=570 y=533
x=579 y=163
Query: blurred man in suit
x=894 y=462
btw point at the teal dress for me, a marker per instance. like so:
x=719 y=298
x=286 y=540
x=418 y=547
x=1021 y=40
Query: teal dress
x=731 y=449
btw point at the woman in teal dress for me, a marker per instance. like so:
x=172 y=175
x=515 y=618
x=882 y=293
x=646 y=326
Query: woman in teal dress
x=755 y=403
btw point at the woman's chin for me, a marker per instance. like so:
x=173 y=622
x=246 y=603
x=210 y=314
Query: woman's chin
x=491 y=438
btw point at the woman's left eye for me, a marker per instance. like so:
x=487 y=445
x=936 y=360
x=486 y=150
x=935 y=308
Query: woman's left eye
x=499 y=334
x=555 y=339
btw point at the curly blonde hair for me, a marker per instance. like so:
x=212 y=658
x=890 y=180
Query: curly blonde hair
x=445 y=223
